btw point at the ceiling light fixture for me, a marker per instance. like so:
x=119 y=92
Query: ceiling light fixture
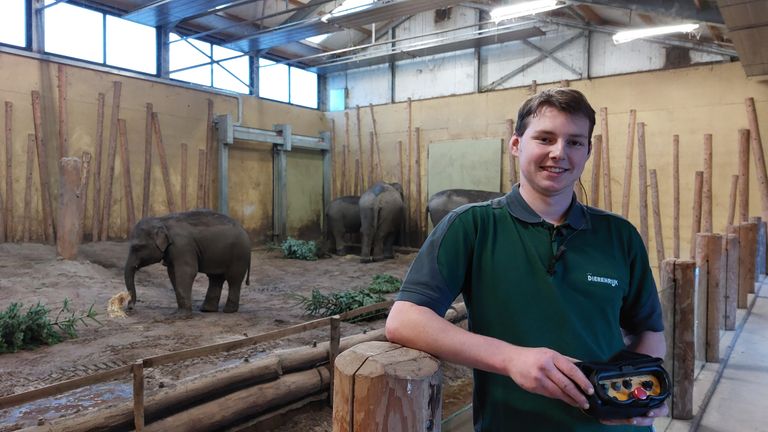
x=525 y=8
x=630 y=35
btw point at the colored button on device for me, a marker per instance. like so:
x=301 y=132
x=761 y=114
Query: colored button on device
x=639 y=393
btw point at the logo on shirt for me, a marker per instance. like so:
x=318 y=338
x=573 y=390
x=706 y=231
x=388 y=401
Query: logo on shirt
x=602 y=279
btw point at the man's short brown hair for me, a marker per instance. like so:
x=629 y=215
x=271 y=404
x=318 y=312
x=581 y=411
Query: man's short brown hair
x=567 y=100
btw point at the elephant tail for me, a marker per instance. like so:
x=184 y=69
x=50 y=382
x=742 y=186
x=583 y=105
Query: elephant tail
x=248 y=272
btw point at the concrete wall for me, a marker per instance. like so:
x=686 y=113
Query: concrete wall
x=689 y=102
x=182 y=112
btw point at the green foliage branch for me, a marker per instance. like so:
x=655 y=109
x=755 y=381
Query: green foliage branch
x=323 y=305
x=299 y=249
x=20 y=330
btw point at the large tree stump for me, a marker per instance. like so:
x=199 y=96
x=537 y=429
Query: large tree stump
x=729 y=278
x=708 y=258
x=678 y=275
x=69 y=218
x=747 y=251
x=380 y=386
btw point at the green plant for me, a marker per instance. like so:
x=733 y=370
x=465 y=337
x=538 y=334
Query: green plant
x=299 y=249
x=34 y=328
x=384 y=284
x=323 y=305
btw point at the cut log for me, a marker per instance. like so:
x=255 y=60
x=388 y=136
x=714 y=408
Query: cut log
x=27 y=221
x=606 y=159
x=642 y=182
x=84 y=175
x=9 y=226
x=679 y=276
x=127 y=182
x=676 y=196
x=743 y=175
x=61 y=76
x=696 y=212
x=68 y=226
x=163 y=163
x=381 y=386
x=597 y=151
x=184 y=176
x=200 y=178
x=706 y=189
x=628 y=164
x=147 y=161
x=96 y=216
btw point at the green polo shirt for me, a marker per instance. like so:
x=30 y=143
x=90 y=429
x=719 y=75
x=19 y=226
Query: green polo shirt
x=501 y=256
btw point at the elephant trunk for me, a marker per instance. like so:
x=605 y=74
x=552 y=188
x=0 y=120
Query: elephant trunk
x=130 y=270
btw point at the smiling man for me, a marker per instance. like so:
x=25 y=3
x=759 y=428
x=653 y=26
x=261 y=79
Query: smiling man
x=546 y=280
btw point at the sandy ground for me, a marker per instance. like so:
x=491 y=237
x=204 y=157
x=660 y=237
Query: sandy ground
x=31 y=272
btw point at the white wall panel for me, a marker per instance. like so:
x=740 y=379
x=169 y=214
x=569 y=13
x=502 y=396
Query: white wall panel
x=368 y=85
x=498 y=60
x=433 y=76
x=606 y=58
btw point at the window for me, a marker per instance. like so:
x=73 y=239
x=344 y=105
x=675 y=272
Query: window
x=90 y=35
x=84 y=40
x=287 y=83
x=336 y=99
x=13 y=23
x=210 y=65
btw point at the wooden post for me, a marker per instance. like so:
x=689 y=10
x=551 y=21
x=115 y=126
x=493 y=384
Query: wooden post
x=335 y=192
x=148 y=161
x=360 y=157
x=208 y=156
x=380 y=386
x=678 y=275
x=747 y=252
x=42 y=166
x=164 y=163
x=184 y=176
x=200 y=178
x=708 y=253
x=659 y=235
x=731 y=277
x=407 y=187
x=2 y=220
x=113 y=131
x=371 y=161
x=417 y=165
x=70 y=206
x=597 y=150
x=732 y=199
x=333 y=346
x=533 y=88
x=96 y=216
x=676 y=196
x=628 y=164
x=345 y=158
x=706 y=191
x=63 y=132
x=509 y=128
x=138 y=396
x=9 y=228
x=401 y=165
x=696 y=212
x=28 y=188
x=642 y=182
x=743 y=175
x=130 y=213
x=757 y=154
x=759 y=250
x=607 y=199
x=357 y=177
x=376 y=144
x=85 y=173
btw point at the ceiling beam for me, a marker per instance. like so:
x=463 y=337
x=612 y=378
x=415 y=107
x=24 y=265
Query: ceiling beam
x=677 y=9
x=589 y=14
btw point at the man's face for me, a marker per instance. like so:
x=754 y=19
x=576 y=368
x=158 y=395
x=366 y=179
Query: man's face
x=552 y=152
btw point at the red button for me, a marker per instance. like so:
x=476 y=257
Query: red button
x=639 y=393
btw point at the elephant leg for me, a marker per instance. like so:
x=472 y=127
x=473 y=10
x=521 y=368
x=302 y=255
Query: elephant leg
x=378 y=245
x=233 y=297
x=365 y=244
x=213 y=295
x=182 y=286
x=338 y=241
x=389 y=245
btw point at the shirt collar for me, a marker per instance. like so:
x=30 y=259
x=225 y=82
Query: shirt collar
x=576 y=214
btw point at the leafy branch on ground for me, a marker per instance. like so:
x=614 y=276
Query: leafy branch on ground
x=299 y=249
x=19 y=330
x=323 y=305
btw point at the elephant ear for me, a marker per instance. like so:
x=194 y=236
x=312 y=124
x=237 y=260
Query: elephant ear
x=162 y=239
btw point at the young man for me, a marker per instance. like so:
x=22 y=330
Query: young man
x=547 y=281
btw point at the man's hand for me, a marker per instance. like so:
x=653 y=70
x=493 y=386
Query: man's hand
x=650 y=416
x=548 y=373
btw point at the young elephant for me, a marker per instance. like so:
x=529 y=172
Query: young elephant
x=343 y=217
x=441 y=203
x=197 y=241
x=381 y=215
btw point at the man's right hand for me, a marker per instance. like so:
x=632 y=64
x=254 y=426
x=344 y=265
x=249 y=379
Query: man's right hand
x=548 y=373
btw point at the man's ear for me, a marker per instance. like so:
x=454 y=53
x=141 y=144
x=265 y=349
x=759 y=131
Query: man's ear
x=514 y=145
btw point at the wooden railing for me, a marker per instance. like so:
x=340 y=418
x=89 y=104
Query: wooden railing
x=137 y=369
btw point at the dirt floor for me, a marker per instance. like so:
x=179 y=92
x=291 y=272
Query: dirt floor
x=31 y=273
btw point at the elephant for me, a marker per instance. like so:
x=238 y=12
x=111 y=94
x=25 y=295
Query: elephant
x=381 y=215
x=441 y=203
x=342 y=217
x=187 y=243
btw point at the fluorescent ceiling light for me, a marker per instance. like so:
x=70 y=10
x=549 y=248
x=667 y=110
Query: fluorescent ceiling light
x=348 y=6
x=630 y=35
x=525 y=8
